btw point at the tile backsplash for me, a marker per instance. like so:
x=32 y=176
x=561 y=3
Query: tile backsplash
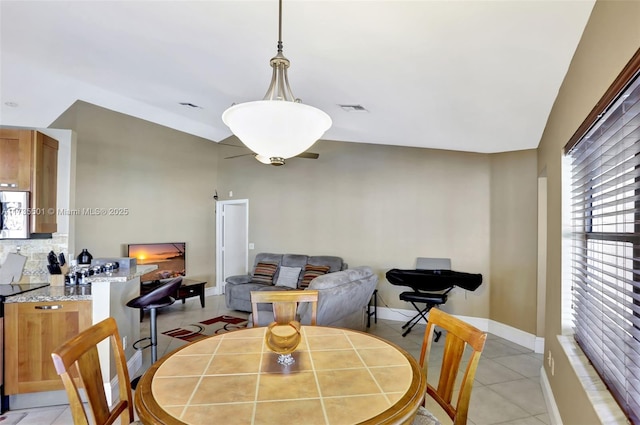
x=36 y=250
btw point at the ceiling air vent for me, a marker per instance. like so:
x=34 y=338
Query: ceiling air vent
x=190 y=105
x=353 y=108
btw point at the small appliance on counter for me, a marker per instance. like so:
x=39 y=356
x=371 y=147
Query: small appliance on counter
x=120 y=262
x=78 y=274
x=11 y=269
x=85 y=257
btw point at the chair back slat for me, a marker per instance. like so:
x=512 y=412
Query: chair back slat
x=285 y=304
x=92 y=383
x=453 y=351
x=460 y=337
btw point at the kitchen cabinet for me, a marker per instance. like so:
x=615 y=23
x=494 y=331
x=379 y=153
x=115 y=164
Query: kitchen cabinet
x=32 y=331
x=15 y=159
x=29 y=162
x=44 y=184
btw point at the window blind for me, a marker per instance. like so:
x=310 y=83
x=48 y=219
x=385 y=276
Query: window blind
x=605 y=254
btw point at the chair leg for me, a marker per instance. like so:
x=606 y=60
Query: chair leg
x=154 y=335
x=374 y=313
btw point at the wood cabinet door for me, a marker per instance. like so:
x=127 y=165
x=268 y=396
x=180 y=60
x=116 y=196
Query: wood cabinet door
x=15 y=159
x=44 y=184
x=32 y=332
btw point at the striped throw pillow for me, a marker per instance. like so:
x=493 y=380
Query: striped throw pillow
x=264 y=273
x=311 y=272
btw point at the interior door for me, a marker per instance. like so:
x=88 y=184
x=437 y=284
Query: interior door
x=232 y=245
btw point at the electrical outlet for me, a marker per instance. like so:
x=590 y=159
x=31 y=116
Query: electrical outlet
x=231 y=194
x=549 y=357
x=124 y=342
x=252 y=246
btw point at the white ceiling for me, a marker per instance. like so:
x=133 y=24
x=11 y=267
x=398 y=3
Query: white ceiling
x=476 y=75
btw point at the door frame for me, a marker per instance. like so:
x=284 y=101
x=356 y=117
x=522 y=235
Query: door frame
x=219 y=288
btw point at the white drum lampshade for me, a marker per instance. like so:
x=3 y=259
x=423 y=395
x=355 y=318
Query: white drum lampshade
x=276 y=128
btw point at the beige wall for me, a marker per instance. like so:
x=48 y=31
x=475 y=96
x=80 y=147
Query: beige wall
x=374 y=205
x=610 y=39
x=514 y=214
x=164 y=177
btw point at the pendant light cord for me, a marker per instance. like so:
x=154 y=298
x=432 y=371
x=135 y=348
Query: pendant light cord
x=280 y=26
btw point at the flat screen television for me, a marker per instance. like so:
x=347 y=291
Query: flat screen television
x=169 y=257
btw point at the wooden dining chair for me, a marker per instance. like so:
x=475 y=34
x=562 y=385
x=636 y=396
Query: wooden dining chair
x=459 y=336
x=285 y=304
x=77 y=363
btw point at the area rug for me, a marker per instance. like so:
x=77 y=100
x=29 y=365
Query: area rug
x=214 y=326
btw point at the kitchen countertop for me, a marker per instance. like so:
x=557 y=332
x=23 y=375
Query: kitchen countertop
x=122 y=275
x=54 y=294
x=11 y=289
x=77 y=292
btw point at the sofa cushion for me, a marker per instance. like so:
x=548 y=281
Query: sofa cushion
x=311 y=272
x=288 y=277
x=264 y=272
x=243 y=292
x=294 y=260
x=266 y=257
x=335 y=263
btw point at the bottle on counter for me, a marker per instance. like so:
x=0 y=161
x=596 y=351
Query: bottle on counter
x=85 y=257
x=70 y=278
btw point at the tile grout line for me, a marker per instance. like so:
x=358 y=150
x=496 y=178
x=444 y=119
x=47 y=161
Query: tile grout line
x=315 y=376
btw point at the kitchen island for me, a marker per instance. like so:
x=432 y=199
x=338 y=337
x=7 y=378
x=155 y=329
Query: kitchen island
x=38 y=321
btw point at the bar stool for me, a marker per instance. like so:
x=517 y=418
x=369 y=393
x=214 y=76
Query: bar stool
x=162 y=296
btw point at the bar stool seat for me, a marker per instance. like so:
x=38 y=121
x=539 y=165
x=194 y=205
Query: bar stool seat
x=160 y=297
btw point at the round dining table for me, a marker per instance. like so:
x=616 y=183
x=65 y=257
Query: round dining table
x=339 y=376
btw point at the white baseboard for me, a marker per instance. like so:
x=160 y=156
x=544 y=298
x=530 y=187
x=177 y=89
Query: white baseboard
x=210 y=290
x=507 y=332
x=552 y=407
x=517 y=336
x=134 y=364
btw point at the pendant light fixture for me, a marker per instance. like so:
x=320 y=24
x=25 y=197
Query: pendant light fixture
x=279 y=126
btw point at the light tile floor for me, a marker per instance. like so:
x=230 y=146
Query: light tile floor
x=506 y=391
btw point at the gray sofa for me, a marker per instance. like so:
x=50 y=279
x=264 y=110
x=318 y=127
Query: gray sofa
x=342 y=299
x=342 y=294
x=237 y=289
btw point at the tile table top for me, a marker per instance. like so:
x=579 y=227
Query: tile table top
x=340 y=376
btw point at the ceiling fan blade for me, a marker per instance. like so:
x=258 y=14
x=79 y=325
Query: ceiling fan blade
x=308 y=155
x=238 y=156
x=232 y=141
